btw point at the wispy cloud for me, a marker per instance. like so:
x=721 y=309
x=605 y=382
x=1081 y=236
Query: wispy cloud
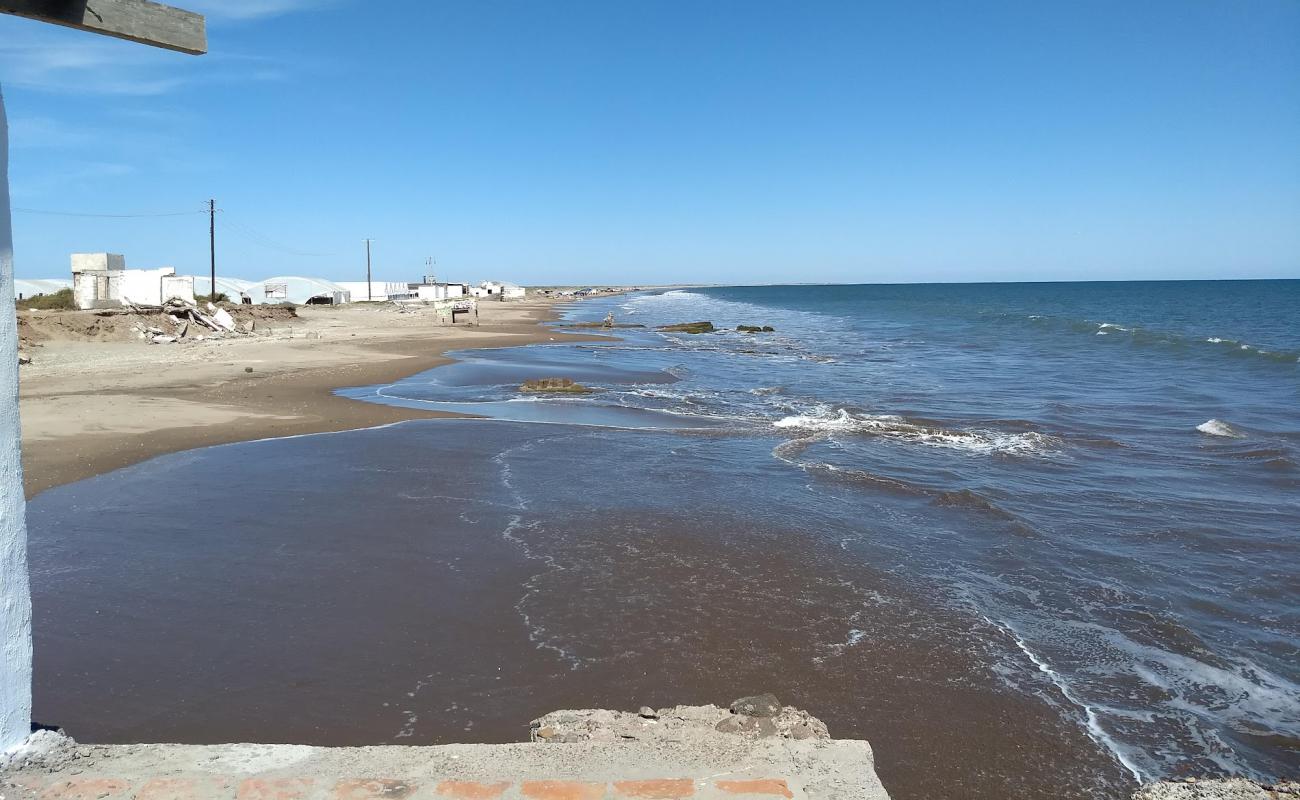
x=77 y=176
x=46 y=61
x=63 y=62
x=30 y=133
x=252 y=9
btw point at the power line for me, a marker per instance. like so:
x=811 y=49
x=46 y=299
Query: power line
x=105 y=216
x=266 y=241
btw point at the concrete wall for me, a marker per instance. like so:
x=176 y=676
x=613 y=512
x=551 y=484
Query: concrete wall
x=109 y=288
x=440 y=291
x=82 y=262
x=179 y=286
x=84 y=292
x=15 y=596
x=144 y=286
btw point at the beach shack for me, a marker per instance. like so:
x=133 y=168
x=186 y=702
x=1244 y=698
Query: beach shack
x=101 y=280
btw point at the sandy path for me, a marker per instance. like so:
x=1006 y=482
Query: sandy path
x=90 y=407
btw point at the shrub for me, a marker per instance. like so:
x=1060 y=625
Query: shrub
x=62 y=300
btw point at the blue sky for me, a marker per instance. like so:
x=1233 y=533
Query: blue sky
x=638 y=141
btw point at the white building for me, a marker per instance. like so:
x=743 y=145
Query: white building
x=363 y=291
x=498 y=290
x=432 y=292
x=101 y=280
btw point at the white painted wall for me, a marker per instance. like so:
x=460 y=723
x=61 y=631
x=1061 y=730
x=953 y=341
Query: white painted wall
x=15 y=595
x=180 y=287
x=440 y=291
x=144 y=286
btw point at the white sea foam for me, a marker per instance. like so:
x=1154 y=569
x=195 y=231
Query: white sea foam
x=831 y=421
x=1217 y=427
x=1092 y=723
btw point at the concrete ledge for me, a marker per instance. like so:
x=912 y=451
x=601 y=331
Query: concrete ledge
x=689 y=763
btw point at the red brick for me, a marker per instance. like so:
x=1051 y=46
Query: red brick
x=168 y=789
x=372 y=789
x=86 y=789
x=772 y=786
x=471 y=790
x=274 y=789
x=656 y=790
x=562 y=790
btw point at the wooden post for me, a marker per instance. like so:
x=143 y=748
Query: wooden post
x=135 y=20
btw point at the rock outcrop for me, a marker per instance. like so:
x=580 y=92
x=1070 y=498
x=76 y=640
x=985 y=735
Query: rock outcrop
x=561 y=385
x=688 y=327
x=755 y=328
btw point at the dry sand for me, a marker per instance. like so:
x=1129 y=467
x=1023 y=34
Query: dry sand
x=92 y=406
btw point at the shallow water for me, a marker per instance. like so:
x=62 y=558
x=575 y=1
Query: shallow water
x=1019 y=536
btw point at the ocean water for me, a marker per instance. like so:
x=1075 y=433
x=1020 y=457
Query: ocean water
x=1033 y=540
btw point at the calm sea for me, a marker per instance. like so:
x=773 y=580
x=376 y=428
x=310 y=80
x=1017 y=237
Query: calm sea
x=1033 y=540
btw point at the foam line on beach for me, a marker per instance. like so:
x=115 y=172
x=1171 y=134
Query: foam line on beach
x=1092 y=721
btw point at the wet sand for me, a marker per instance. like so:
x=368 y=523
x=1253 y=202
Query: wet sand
x=92 y=407
x=445 y=581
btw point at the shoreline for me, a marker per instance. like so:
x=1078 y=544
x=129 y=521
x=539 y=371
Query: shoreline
x=80 y=421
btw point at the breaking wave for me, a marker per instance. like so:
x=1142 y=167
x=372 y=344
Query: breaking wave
x=890 y=426
x=1217 y=427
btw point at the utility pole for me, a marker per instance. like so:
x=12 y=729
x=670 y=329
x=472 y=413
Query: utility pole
x=212 y=250
x=369 y=292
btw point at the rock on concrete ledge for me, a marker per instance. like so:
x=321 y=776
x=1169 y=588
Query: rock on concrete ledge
x=766 y=718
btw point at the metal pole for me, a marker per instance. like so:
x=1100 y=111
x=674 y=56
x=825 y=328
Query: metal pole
x=212 y=249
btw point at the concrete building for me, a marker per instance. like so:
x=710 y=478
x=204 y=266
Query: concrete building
x=510 y=291
x=35 y=287
x=101 y=280
x=432 y=292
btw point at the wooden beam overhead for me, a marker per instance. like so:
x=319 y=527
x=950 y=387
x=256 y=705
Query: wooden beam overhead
x=135 y=20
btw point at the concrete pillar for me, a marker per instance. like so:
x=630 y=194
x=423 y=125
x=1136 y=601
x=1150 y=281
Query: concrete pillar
x=15 y=593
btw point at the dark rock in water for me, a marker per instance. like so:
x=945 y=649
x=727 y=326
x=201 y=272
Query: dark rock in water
x=688 y=327
x=761 y=705
x=768 y=329
x=755 y=328
x=564 y=385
